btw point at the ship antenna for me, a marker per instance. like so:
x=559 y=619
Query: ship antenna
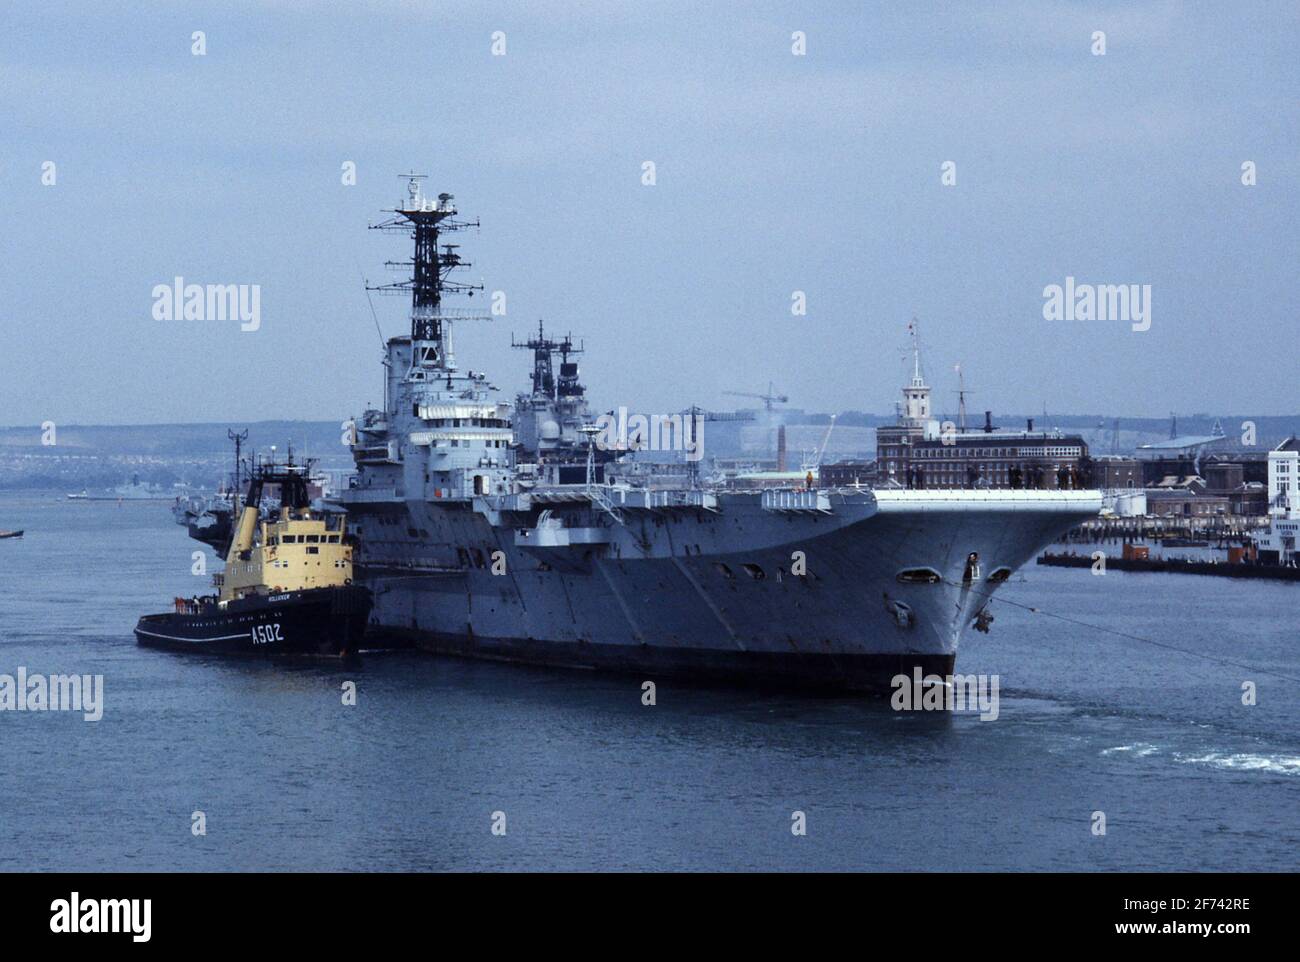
x=369 y=300
x=916 y=351
x=914 y=348
x=239 y=439
x=961 y=397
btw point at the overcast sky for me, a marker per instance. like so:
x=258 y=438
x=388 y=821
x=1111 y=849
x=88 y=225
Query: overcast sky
x=775 y=173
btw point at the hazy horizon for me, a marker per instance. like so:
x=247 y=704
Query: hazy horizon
x=972 y=415
x=775 y=173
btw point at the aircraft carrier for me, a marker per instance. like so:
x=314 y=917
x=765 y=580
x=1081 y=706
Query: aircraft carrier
x=505 y=531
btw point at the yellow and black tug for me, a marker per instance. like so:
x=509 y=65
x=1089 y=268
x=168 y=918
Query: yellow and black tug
x=287 y=588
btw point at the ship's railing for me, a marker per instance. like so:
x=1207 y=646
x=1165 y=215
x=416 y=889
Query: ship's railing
x=612 y=499
x=523 y=501
x=779 y=500
x=654 y=499
x=191 y=606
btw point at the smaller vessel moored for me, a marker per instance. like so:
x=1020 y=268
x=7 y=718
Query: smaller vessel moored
x=287 y=587
x=135 y=491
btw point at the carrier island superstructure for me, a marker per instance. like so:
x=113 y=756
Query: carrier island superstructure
x=473 y=548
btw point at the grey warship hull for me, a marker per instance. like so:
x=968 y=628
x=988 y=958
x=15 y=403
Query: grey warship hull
x=828 y=590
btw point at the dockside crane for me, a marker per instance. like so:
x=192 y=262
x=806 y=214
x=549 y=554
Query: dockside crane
x=821 y=452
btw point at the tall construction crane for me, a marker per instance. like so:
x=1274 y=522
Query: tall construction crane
x=768 y=399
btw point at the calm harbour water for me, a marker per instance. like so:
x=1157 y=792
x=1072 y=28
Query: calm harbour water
x=589 y=778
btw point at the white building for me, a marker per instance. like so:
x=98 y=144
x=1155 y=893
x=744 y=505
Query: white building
x=1277 y=544
x=1284 y=480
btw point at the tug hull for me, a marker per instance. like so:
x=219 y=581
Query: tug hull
x=328 y=622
